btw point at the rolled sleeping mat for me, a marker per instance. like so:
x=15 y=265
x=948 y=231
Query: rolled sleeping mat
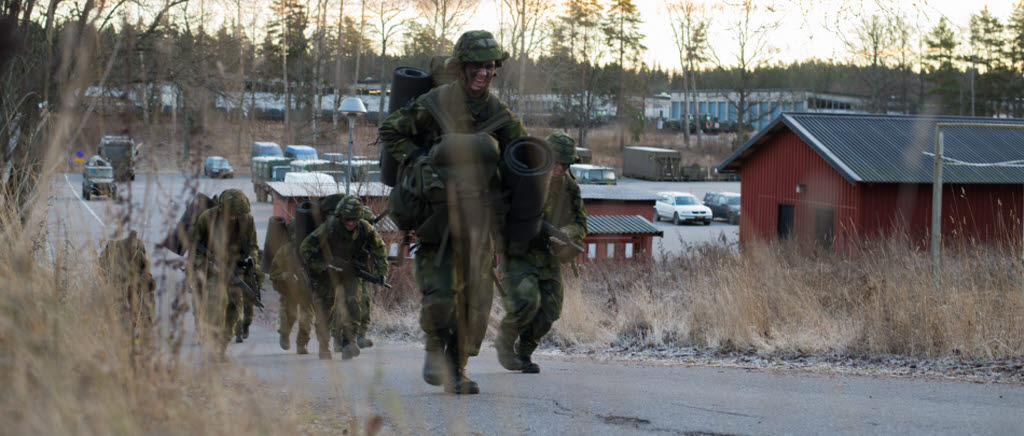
x=177 y=238
x=277 y=236
x=306 y=220
x=525 y=174
x=327 y=205
x=407 y=83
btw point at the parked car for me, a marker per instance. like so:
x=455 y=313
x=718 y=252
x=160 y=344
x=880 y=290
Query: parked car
x=681 y=207
x=725 y=205
x=217 y=166
x=98 y=179
x=300 y=152
x=587 y=174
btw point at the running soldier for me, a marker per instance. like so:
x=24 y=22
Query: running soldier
x=335 y=254
x=533 y=280
x=454 y=258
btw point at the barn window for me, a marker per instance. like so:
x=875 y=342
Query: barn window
x=629 y=250
x=591 y=251
x=611 y=250
x=393 y=250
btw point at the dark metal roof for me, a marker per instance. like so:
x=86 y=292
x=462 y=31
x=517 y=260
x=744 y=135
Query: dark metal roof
x=622 y=224
x=615 y=192
x=890 y=148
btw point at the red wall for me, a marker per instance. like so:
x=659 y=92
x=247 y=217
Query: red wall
x=770 y=176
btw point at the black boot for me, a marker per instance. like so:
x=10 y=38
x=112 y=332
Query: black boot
x=363 y=341
x=506 y=352
x=528 y=367
x=434 y=362
x=245 y=331
x=349 y=349
x=459 y=383
x=238 y=337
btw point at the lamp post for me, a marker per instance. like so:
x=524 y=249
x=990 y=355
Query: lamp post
x=352 y=107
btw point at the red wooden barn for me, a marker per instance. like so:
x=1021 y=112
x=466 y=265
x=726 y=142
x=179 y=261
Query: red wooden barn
x=616 y=225
x=835 y=178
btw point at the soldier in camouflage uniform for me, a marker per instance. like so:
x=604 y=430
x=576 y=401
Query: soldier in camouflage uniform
x=364 y=310
x=327 y=253
x=453 y=265
x=290 y=280
x=225 y=237
x=124 y=265
x=533 y=280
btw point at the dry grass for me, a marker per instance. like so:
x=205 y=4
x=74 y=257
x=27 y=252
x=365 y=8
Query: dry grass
x=878 y=300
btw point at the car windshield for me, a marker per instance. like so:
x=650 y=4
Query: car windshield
x=101 y=173
x=219 y=163
x=685 y=200
x=734 y=201
x=116 y=149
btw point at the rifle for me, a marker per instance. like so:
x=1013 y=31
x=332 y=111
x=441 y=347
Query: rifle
x=360 y=271
x=560 y=236
x=234 y=279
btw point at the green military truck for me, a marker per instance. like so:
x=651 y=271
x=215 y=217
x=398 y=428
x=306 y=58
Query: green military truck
x=119 y=151
x=267 y=169
x=650 y=163
x=98 y=179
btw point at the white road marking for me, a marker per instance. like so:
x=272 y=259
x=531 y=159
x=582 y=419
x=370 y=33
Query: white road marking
x=72 y=188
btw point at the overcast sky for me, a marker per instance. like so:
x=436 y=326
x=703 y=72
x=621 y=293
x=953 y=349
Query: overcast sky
x=807 y=28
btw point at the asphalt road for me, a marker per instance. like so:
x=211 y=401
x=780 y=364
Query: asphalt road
x=577 y=395
x=572 y=395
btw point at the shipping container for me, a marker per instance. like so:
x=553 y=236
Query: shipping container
x=651 y=163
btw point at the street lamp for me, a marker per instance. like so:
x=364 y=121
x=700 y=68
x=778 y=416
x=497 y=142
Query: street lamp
x=352 y=107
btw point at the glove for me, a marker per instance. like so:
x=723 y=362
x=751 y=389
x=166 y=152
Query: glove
x=246 y=263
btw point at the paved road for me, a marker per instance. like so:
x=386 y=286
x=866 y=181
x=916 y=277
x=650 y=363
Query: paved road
x=571 y=395
x=580 y=396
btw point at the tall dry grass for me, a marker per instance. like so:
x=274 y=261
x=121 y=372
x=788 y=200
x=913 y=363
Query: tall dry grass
x=878 y=300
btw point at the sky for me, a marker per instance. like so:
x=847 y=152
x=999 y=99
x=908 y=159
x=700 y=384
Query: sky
x=807 y=28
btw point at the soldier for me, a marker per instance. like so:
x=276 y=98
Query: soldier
x=533 y=277
x=125 y=265
x=332 y=254
x=453 y=265
x=364 y=310
x=225 y=249
x=290 y=280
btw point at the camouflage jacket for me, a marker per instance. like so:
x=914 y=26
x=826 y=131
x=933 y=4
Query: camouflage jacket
x=564 y=207
x=227 y=241
x=412 y=130
x=124 y=262
x=333 y=244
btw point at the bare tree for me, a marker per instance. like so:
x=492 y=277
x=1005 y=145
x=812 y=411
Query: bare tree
x=873 y=49
x=338 y=64
x=689 y=30
x=751 y=34
x=445 y=18
x=527 y=20
x=388 y=19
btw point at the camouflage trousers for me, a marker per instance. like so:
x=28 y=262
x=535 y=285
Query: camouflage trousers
x=339 y=308
x=456 y=302
x=217 y=307
x=533 y=298
x=364 y=308
x=296 y=305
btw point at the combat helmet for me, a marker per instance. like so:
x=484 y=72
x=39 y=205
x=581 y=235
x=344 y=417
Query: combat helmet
x=478 y=46
x=367 y=213
x=234 y=202
x=564 y=147
x=349 y=207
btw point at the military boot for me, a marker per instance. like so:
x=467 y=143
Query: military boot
x=338 y=345
x=245 y=331
x=459 y=383
x=527 y=365
x=301 y=349
x=285 y=342
x=325 y=353
x=349 y=349
x=238 y=336
x=434 y=362
x=363 y=341
x=505 y=345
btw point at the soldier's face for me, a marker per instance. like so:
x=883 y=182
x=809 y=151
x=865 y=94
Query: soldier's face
x=559 y=169
x=350 y=223
x=478 y=77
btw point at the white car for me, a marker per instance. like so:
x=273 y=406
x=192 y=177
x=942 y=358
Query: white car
x=681 y=207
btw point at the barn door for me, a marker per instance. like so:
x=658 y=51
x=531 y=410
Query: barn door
x=785 y=222
x=823 y=232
